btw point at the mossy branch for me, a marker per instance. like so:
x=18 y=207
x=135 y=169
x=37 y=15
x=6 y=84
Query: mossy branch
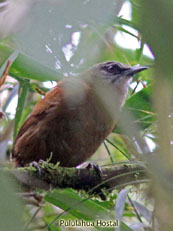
x=47 y=176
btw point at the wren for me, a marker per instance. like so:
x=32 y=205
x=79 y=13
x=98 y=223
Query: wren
x=75 y=117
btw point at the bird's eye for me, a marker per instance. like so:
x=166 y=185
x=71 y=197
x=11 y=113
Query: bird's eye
x=112 y=69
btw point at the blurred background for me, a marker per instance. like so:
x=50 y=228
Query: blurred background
x=46 y=41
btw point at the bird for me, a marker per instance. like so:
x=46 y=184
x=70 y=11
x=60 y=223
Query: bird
x=74 y=118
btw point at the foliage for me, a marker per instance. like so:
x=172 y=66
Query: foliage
x=61 y=38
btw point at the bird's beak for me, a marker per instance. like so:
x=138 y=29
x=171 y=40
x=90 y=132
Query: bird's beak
x=135 y=69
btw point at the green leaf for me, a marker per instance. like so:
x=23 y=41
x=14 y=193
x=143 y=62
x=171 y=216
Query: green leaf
x=10 y=207
x=127 y=32
x=10 y=57
x=50 y=214
x=139 y=51
x=27 y=67
x=121 y=21
x=136 y=5
x=124 y=227
x=156 y=23
x=68 y=198
x=140 y=107
x=86 y=209
x=23 y=88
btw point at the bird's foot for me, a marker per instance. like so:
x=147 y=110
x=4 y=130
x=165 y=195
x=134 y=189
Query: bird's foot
x=95 y=167
x=36 y=165
x=98 y=172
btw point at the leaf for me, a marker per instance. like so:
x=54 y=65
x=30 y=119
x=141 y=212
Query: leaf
x=11 y=57
x=120 y=204
x=143 y=211
x=11 y=15
x=50 y=213
x=27 y=67
x=139 y=106
x=23 y=88
x=127 y=32
x=135 y=12
x=71 y=202
x=121 y=21
x=10 y=206
x=68 y=198
x=139 y=51
x=155 y=24
x=71 y=35
x=124 y=227
x=140 y=227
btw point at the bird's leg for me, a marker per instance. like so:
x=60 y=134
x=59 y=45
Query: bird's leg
x=36 y=166
x=95 y=167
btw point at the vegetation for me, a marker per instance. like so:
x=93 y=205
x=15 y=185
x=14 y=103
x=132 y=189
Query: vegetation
x=43 y=41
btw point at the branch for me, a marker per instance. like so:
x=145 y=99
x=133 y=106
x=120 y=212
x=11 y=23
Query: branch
x=47 y=176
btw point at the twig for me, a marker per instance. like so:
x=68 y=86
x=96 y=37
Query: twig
x=5 y=73
x=2 y=80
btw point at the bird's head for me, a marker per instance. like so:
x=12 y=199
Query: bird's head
x=111 y=80
x=115 y=73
